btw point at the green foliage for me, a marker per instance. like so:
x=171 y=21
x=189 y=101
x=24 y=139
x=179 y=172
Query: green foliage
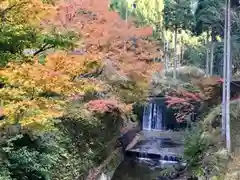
x=177 y=14
x=120 y=6
x=204 y=153
x=87 y=140
x=4 y=173
x=194 y=147
x=55 y=40
x=82 y=140
x=16 y=38
x=236 y=41
x=147 y=12
x=209 y=16
x=13 y=40
x=25 y=158
x=213 y=121
x=195 y=55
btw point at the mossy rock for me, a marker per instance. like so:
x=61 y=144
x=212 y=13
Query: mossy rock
x=163 y=82
x=232 y=176
x=186 y=73
x=233 y=170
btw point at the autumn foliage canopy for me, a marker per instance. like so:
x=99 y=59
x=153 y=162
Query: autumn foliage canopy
x=105 y=34
x=35 y=92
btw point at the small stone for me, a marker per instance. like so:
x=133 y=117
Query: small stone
x=165 y=158
x=171 y=158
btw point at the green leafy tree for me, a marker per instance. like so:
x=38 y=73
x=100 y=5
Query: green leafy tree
x=209 y=17
x=177 y=16
x=236 y=41
x=55 y=40
x=145 y=12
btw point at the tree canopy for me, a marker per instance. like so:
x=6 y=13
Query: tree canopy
x=178 y=14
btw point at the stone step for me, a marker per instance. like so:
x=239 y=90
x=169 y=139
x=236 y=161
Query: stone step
x=160 y=145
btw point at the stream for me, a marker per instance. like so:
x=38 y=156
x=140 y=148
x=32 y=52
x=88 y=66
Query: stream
x=146 y=169
x=157 y=155
x=152 y=158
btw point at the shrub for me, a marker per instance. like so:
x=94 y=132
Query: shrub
x=88 y=139
x=194 y=147
x=25 y=158
x=213 y=121
x=204 y=153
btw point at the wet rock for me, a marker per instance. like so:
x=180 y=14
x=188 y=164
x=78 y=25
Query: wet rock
x=165 y=158
x=128 y=137
x=171 y=158
x=192 y=178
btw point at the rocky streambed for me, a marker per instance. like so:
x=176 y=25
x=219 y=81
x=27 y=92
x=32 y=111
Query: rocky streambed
x=147 y=169
x=155 y=156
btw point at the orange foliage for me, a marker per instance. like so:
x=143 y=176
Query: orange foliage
x=210 y=88
x=102 y=106
x=23 y=94
x=72 y=65
x=107 y=35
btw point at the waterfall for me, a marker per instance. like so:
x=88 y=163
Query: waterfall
x=152 y=117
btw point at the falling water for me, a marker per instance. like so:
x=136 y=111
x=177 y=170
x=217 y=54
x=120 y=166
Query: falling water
x=153 y=117
x=155 y=151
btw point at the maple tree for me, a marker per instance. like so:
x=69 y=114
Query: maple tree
x=184 y=102
x=108 y=105
x=187 y=102
x=102 y=105
x=107 y=35
x=34 y=92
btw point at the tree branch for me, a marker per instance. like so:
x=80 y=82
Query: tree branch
x=43 y=48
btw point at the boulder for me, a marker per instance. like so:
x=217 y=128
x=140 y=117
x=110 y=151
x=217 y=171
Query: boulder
x=111 y=73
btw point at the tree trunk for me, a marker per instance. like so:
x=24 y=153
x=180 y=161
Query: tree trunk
x=181 y=51
x=207 y=58
x=212 y=57
x=166 y=56
x=126 y=20
x=181 y=55
x=175 y=55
